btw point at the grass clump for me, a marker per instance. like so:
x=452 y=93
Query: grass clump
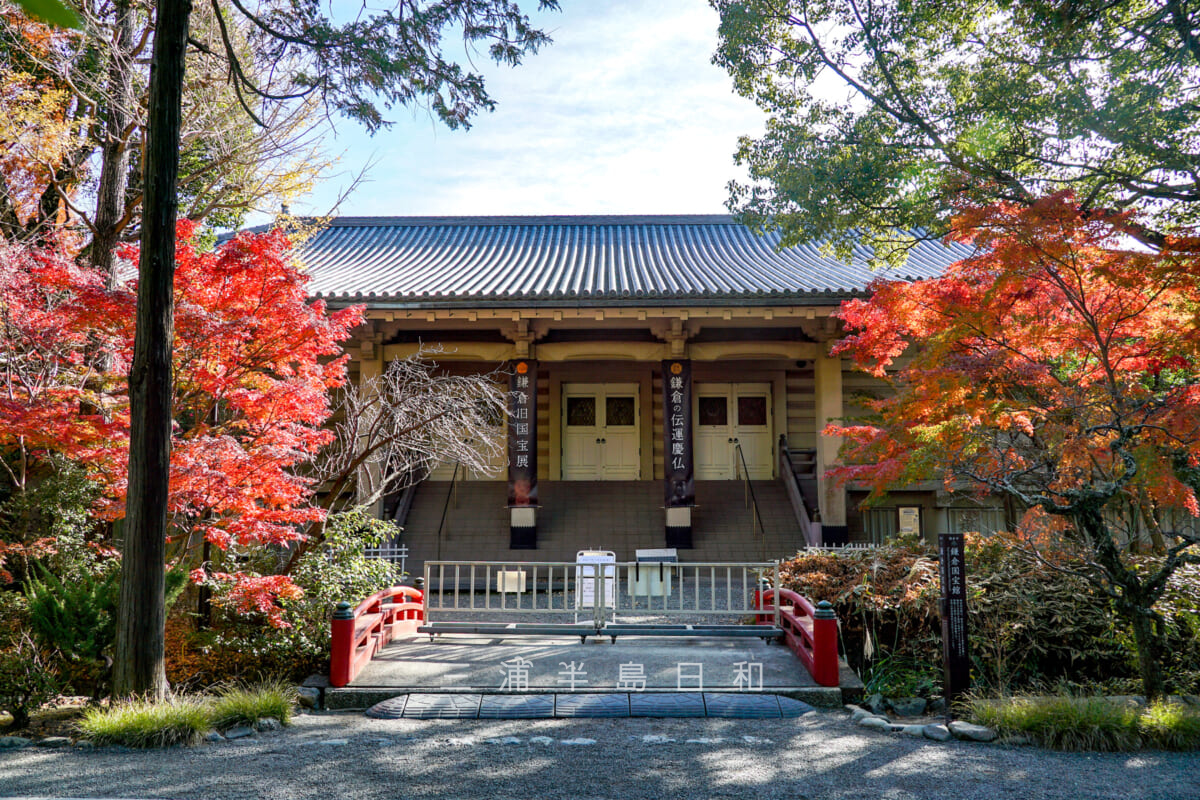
x=1091 y=723
x=145 y=723
x=1063 y=723
x=1170 y=726
x=240 y=704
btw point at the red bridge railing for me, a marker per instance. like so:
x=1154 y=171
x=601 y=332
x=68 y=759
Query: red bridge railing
x=809 y=631
x=360 y=631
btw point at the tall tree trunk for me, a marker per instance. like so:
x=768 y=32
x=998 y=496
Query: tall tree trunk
x=138 y=667
x=114 y=160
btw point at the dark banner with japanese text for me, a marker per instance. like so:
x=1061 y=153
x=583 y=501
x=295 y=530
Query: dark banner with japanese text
x=522 y=433
x=954 y=616
x=680 y=484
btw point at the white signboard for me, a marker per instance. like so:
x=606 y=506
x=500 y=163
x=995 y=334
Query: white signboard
x=589 y=565
x=910 y=519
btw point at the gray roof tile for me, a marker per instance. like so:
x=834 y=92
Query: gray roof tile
x=598 y=259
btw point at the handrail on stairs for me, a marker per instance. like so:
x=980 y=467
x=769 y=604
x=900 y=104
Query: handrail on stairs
x=450 y=494
x=810 y=530
x=751 y=500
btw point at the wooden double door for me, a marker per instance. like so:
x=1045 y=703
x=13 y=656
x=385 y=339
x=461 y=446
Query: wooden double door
x=726 y=415
x=601 y=432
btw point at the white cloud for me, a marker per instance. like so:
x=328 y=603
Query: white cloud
x=623 y=114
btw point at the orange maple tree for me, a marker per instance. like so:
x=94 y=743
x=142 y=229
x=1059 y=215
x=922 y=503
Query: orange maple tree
x=254 y=362
x=1058 y=366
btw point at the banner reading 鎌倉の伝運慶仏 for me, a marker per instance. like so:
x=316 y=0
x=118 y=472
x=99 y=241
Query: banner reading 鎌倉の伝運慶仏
x=680 y=484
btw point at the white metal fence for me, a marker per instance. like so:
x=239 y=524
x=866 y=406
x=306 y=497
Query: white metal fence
x=606 y=597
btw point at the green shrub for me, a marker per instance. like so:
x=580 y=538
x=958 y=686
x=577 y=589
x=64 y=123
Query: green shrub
x=76 y=618
x=26 y=683
x=142 y=723
x=1062 y=723
x=902 y=676
x=337 y=571
x=247 y=705
x=1170 y=726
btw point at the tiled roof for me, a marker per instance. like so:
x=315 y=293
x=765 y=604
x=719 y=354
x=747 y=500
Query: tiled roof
x=586 y=259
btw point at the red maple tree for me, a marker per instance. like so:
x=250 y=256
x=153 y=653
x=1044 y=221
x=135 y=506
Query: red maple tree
x=254 y=363
x=1058 y=366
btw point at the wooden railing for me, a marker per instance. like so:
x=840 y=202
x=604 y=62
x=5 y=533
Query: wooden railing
x=809 y=631
x=359 y=632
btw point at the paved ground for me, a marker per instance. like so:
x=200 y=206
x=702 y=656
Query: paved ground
x=819 y=755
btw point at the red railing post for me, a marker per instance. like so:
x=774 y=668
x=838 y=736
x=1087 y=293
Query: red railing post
x=341 y=649
x=825 y=645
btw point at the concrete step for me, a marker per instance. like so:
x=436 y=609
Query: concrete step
x=622 y=516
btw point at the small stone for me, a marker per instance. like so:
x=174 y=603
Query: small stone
x=875 y=703
x=1191 y=699
x=309 y=697
x=54 y=741
x=916 y=731
x=971 y=732
x=267 y=724
x=875 y=723
x=85 y=744
x=579 y=741
x=935 y=706
x=907 y=706
x=334 y=742
x=213 y=736
x=937 y=732
x=655 y=738
x=1129 y=700
x=239 y=732
x=1017 y=740
x=540 y=740
x=859 y=714
x=14 y=741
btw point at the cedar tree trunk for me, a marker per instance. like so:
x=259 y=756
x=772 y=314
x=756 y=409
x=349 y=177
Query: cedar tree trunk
x=138 y=667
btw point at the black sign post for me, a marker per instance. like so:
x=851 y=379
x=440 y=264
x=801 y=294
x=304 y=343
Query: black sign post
x=522 y=453
x=955 y=652
x=679 y=487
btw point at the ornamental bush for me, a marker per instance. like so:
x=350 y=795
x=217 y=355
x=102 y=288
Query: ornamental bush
x=1032 y=625
x=292 y=637
x=26 y=681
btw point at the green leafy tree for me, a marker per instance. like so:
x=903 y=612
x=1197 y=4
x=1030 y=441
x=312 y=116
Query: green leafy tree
x=883 y=112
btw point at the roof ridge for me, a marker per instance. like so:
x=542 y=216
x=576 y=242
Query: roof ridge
x=533 y=219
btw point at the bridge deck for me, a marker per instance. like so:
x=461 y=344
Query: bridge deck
x=466 y=663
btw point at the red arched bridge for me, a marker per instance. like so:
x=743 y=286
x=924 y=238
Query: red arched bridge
x=598 y=598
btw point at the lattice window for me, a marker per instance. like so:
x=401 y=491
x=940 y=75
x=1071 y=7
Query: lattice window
x=581 y=412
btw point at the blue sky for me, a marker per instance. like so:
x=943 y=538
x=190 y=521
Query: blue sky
x=624 y=113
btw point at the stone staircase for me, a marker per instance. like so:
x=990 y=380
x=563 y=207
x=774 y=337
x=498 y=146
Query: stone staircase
x=622 y=516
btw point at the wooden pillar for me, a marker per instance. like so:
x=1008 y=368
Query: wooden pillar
x=370 y=367
x=828 y=378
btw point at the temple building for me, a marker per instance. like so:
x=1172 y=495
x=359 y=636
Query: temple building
x=655 y=362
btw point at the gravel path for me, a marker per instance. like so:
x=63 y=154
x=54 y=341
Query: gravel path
x=821 y=755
